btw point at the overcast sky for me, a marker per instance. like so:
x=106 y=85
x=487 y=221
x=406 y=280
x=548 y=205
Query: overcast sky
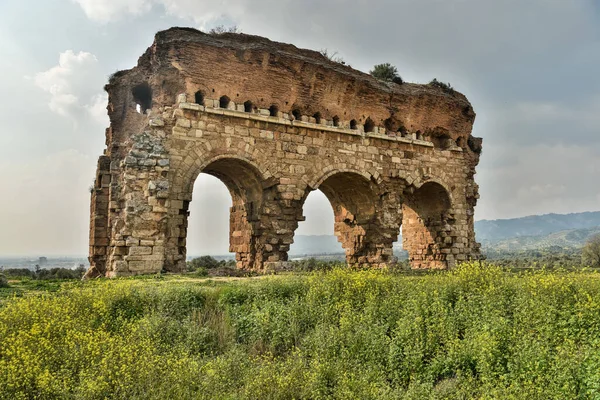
x=530 y=69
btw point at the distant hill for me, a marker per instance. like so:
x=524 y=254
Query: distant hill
x=568 y=239
x=315 y=244
x=534 y=225
x=516 y=234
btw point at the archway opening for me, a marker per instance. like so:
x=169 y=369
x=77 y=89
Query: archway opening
x=248 y=106
x=427 y=225
x=208 y=217
x=352 y=200
x=336 y=121
x=315 y=236
x=208 y=230
x=274 y=111
x=353 y=124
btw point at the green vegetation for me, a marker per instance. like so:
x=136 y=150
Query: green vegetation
x=44 y=273
x=446 y=87
x=222 y=29
x=475 y=332
x=3 y=281
x=209 y=266
x=386 y=72
x=549 y=258
x=332 y=56
x=591 y=251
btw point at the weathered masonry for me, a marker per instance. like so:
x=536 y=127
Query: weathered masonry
x=274 y=122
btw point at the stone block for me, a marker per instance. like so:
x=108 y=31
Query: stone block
x=140 y=250
x=183 y=123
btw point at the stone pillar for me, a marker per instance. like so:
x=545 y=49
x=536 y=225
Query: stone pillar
x=279 y=219
x=99 y=219
x=371 y=242
x=140 y=206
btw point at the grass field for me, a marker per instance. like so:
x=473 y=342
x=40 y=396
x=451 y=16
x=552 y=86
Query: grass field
x=475 y=332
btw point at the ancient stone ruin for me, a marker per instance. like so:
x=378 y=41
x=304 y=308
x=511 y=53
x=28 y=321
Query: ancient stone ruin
x=274 y=122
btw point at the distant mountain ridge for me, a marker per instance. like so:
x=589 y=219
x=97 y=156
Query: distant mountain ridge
x=534 y=225
x=569 y=239
x=515 y=234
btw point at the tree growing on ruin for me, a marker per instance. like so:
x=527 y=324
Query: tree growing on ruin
x=221 y=29
x=332 y=56
x=591 y=252
x=446 y=87
x=386 y=72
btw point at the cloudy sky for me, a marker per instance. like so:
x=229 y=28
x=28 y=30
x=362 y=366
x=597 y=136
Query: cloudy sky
x=530 y=68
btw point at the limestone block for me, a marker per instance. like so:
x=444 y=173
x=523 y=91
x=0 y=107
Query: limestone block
x=183 y=123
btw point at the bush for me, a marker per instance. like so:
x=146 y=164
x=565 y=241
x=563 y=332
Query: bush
x=3 y=281
x=474 y=332
x=221 y=29
x=45 y=274
x=591 y=252
x=386 y=72
x=332 y=56
x=446 y=87
x=312 y=264
x=205 y=262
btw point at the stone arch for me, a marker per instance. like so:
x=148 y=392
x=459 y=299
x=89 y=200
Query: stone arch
x=427 y=226
x=186 y=182
x=331 y=170
x=354 y=196
x=353 y=200
x=244 y=180
x=419 y=182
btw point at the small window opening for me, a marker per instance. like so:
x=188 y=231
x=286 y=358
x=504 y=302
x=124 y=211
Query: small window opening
x=336 y=121
x=142 y=95
x=248 y=106
x=369 y=125
x=419 y=135
x=353 y=124
x=199 y=98
x=317 y=117
x=402 y=130
x=273 y=110
x=297 y=114
x=224 y=102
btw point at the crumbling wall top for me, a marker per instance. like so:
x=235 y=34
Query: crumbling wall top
x=266 y=74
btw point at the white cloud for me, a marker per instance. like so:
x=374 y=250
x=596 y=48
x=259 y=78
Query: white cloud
x=540 y=179
x=105 y=10
x=74 y=86
x=97 y=108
